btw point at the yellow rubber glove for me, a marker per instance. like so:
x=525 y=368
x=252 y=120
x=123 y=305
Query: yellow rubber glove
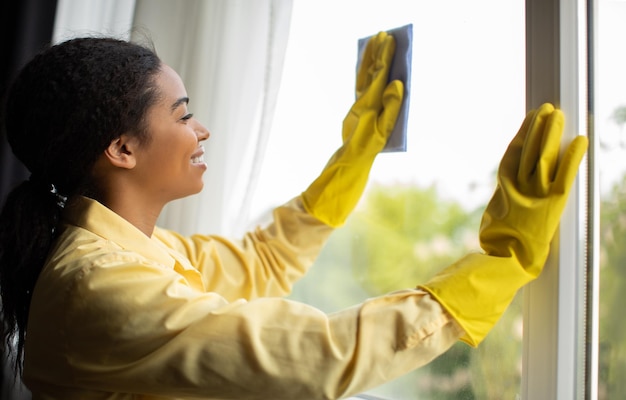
x=366 y=128
x=517 y=226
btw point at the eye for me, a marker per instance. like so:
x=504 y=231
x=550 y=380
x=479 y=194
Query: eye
x=187 y=117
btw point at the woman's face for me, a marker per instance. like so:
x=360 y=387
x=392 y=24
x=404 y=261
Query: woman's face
x=171 y=163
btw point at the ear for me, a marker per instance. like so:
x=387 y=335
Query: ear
x=121 y=152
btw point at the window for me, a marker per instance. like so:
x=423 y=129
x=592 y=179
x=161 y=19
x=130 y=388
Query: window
x=468 y=61
x=422 y=208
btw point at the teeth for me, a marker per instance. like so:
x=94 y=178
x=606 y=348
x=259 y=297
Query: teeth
x=197 y=160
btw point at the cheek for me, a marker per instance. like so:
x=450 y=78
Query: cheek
x=179 y=141
x=184 y=146
x=191 y=139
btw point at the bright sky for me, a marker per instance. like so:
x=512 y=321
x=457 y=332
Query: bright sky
x=467 y=96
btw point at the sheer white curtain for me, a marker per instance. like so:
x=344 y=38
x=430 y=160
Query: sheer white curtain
x=93 y=17
x=230 y=55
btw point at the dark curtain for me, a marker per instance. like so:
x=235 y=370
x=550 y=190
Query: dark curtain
x=26 y=27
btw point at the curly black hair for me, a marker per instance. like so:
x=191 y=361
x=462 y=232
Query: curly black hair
x=62 y=111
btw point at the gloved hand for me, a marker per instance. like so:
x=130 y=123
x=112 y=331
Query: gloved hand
x=366 y=128
x=517 y=226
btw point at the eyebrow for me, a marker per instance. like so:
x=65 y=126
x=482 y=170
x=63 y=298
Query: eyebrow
x=177 y=103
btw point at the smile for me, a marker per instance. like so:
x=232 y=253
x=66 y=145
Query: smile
x=198 y=156
x=198 y=159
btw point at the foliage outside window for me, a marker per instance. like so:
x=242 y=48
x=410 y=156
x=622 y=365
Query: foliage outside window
x=612 y=351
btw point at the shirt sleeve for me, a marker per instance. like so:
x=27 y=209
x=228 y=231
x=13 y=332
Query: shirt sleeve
x=266 y=262
x=122 y=325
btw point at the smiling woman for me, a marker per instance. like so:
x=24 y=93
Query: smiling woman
x=104 y=304
x=112 y=303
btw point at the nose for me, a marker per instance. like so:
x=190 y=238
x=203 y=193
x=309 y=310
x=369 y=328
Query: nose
x=202 y=132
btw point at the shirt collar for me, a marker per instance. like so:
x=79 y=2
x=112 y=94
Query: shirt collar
x=93 y=216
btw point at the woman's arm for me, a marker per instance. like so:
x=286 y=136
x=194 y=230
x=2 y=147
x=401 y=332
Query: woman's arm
x=121 y=324
x=266 y=262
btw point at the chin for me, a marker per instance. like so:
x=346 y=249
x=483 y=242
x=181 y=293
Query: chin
x=199 y=188
x=192 y=191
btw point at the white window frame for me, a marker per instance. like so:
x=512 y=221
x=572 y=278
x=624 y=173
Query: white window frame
x=560 y=308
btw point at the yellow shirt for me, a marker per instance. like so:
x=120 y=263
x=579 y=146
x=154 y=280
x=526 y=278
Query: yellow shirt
x=118 y=315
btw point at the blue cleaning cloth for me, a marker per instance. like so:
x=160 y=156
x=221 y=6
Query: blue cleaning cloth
x=401 y=70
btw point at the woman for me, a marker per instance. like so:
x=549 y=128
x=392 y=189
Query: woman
x=105 y=305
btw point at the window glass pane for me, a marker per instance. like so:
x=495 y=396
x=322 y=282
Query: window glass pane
x=610 y=125
x=422 y=208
